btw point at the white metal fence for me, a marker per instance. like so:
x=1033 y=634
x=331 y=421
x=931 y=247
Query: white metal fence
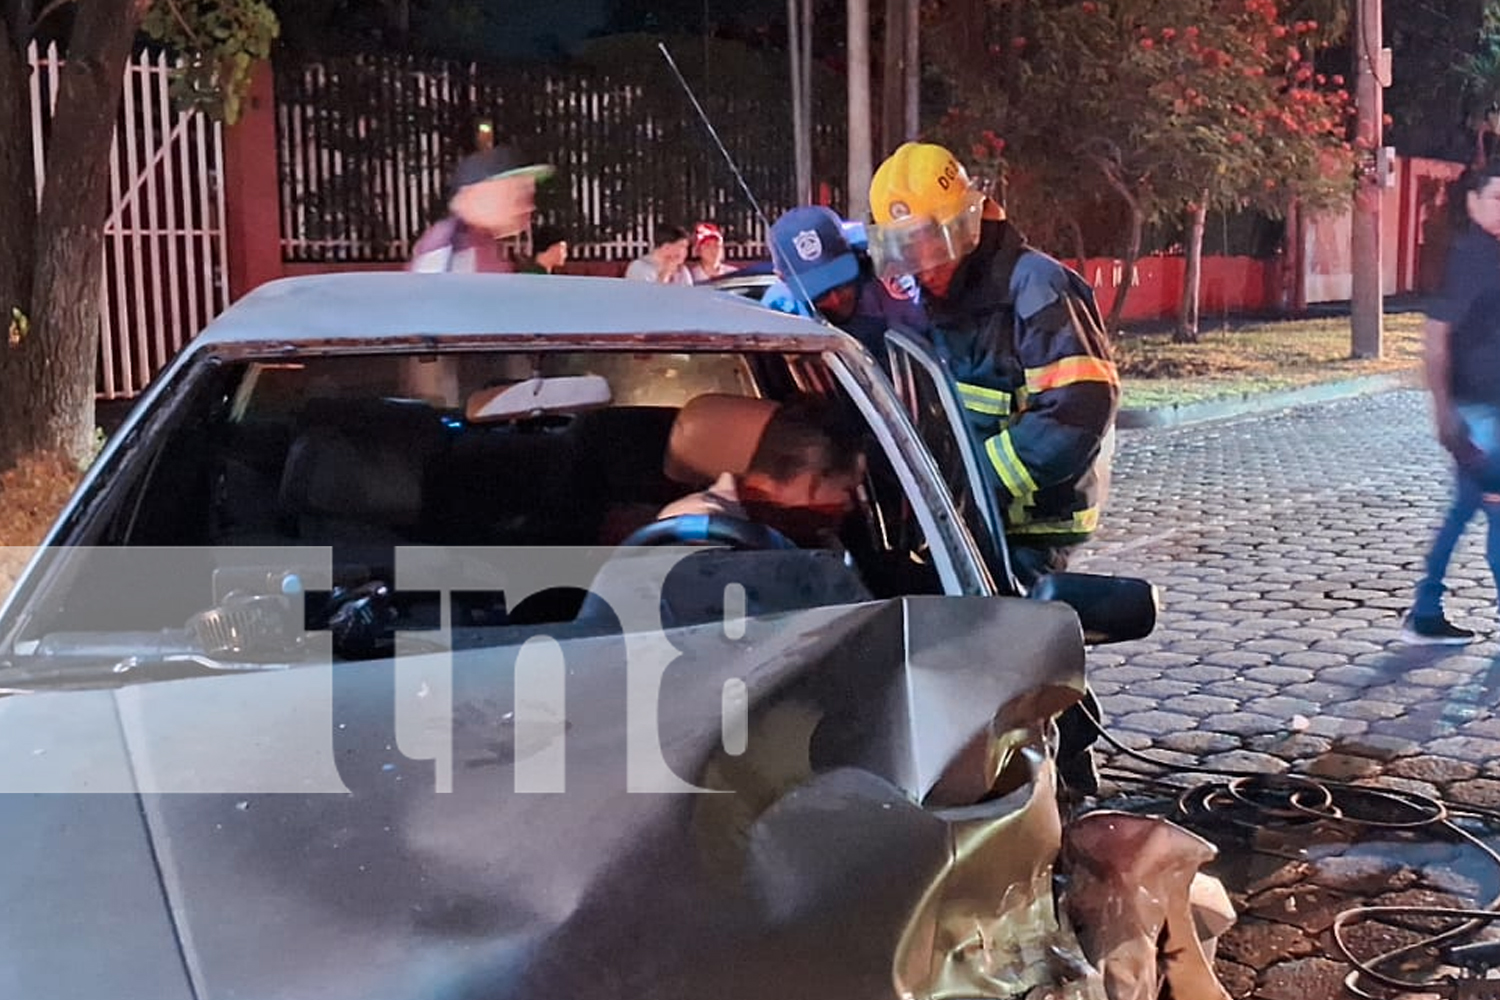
x=365 y=145
x=166 y=268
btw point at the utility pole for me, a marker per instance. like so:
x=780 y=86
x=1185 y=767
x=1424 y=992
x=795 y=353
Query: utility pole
x=893 y=77
x=860 y=167
x=798 y=40
x=913 y=65
x=1372 y=68
x=901 y=75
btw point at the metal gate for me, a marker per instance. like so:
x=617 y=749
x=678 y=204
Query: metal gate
x=166 y=268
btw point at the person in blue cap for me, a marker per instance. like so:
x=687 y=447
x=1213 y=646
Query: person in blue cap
x=820 y=273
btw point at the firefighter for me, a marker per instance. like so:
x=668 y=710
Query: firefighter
x=1024 y=340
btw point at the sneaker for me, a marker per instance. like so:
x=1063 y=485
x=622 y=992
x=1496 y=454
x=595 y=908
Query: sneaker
x=1433 y=630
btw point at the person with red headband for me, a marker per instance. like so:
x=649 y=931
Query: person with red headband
x=709 y=241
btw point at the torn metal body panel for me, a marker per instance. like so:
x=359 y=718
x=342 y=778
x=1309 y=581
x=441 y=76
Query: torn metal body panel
x=1147 y=916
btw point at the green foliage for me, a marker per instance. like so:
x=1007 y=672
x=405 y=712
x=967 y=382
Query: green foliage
x=1159 y=104
x=1440 y=81
x=1480 y=71
x=220 y=42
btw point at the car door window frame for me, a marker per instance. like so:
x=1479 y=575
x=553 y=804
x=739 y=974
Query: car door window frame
x=957 y=555
x=907 y=354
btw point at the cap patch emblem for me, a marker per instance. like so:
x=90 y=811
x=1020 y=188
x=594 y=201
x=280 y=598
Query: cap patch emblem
x=808 y=245
x=900 y=210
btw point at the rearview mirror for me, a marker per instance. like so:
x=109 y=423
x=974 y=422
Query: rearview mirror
x=537 y=396
x=1111 y=608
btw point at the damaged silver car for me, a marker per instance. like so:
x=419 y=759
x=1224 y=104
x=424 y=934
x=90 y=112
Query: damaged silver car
x=362 y=666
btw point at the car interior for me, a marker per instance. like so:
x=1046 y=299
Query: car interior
x=339 y=451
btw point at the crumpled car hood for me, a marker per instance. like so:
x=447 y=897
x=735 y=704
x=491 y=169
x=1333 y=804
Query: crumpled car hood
x=815 y=870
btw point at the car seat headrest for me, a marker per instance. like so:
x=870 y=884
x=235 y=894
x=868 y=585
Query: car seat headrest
x=713 y=434
x=331 y=473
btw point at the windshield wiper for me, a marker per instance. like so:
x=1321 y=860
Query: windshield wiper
x=82 y=657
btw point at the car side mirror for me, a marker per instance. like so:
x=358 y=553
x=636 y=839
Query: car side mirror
x=1111 y=608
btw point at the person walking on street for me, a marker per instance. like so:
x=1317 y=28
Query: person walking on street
x=1462 y=360
x=666 y=264
x=1023 y=337
x=491 y=196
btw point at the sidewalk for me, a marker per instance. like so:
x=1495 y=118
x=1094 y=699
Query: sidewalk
x=1318 y=386
x=1264 y=402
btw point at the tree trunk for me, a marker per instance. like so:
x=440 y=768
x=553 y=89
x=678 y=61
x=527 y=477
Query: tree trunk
x=1010 y=56
x=1132 y=254
x=1080 y=248
x=49 y=381
x=1187 y=318
x=800 y=118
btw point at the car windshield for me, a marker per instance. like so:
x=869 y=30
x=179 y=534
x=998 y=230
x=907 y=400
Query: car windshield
x=362 y=455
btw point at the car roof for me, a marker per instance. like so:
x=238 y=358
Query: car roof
x=354 y=306
x=755 y=269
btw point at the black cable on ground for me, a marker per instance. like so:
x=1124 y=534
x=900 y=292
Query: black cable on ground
x=1250 y=798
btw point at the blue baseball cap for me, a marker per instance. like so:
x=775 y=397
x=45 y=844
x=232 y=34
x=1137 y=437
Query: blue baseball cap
x=809 y=242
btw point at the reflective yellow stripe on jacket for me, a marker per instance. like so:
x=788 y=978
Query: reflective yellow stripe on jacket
x=981 y=399
x=1013 y=472
x=1069 y=371
x=1083 y=522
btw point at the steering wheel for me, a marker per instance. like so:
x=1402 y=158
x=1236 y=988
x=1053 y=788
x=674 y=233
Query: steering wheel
x=717 y=529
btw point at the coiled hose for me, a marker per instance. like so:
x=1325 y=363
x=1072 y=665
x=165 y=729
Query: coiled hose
x=1248 y=799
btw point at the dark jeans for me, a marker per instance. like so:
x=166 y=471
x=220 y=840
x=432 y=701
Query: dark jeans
x=1468 y=500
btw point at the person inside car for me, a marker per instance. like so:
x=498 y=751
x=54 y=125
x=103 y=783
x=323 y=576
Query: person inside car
x=801 y=479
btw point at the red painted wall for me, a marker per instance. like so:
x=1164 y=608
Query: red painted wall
x=1228 y=284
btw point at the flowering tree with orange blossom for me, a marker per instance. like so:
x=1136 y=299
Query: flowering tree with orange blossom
x=1172 y=108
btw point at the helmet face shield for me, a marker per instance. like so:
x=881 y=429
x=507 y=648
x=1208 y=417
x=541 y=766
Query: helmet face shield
x=921 y=243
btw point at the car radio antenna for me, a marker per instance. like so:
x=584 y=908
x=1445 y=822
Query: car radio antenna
x=794 y=277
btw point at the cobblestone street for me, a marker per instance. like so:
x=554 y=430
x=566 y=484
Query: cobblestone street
x=1285 y=548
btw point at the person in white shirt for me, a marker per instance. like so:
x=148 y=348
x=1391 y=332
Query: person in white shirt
x=802 y=479
x=666 y=264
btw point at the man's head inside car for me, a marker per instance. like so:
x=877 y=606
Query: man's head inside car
x=802 y=478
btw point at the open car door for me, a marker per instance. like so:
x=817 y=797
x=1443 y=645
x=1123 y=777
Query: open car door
x=1110 y=608
x=925 y=387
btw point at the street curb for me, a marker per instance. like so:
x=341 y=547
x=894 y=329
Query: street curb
x=1261 y=402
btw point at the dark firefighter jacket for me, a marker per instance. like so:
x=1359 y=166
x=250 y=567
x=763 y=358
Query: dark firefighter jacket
x=1023 y=338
